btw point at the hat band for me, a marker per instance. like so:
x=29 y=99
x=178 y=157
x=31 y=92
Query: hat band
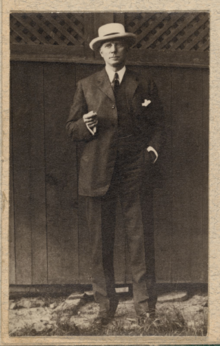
x=112 y=33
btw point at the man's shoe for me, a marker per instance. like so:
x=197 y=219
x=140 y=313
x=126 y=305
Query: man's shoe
x=102 y=319
x=152 y=304
x=144 y=319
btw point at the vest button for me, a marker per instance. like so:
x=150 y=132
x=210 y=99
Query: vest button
x=113 y=106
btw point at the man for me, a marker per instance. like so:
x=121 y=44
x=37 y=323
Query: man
x=120 y=119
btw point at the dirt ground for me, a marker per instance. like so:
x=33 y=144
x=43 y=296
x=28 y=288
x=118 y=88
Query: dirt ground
x=176 y=314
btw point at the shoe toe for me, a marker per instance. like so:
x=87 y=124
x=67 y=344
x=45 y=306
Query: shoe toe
x=102 y=319
x=146 y=318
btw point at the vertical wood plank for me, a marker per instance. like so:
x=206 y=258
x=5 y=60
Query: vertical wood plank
x=187 y=174
x=61 y=176
x=21 y=111
x=196 y=171
x=11 y=206
x=205 y=162
x=37 y=175
x=11 y=233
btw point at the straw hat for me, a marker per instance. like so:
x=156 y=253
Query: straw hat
x=109 y=32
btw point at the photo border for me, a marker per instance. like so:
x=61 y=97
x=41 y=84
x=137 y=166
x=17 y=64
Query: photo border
x=214 y=163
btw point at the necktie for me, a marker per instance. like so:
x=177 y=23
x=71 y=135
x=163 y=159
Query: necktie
x=116 y=82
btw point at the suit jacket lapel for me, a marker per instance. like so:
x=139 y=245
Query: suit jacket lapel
x=104 y=84
x=131 y=83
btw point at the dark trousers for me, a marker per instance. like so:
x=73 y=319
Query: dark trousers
x=127 y=184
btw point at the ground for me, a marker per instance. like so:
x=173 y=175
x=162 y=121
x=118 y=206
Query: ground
x=176 y=314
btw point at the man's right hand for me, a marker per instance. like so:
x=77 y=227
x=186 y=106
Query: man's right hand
x=90 y=119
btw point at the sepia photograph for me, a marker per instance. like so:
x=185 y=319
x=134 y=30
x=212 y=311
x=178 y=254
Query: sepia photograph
x=109 y=143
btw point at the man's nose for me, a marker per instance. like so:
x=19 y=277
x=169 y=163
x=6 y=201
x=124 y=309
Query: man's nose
x=113 y=47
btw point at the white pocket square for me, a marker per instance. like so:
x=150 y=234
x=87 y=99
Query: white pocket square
x=146 y=103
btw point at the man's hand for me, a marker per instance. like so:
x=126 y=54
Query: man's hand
x=152 y=156
x=90 y=119
x=152 y=153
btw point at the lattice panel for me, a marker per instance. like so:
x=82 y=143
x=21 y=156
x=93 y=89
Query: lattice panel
x=170 y=31
x=47 y=28
x=155 y=31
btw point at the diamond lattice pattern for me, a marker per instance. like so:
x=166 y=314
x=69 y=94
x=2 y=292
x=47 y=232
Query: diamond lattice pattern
x=155 y=31
x=47 y=28
x=170 y=31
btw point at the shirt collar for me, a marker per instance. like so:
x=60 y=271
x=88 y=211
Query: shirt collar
x=111 y=74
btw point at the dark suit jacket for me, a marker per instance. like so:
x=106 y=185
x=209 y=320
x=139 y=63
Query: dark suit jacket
x=98 y=158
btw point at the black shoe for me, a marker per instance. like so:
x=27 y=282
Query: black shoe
x=144 y=319
x=147 y=317
x=102 y=319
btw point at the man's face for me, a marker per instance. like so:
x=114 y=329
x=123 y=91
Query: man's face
x=114 y=53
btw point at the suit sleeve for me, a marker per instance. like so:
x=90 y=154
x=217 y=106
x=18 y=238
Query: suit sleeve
x=157 y=121
x=75 y=125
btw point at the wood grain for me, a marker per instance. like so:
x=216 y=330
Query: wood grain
x=205 y=184
x=21 y=113
x=187 y=173
x=61 y=177
x=37 y=175
x=51 y=237
x=12 y=259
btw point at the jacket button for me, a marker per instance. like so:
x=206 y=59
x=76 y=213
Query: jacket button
x=113 y=106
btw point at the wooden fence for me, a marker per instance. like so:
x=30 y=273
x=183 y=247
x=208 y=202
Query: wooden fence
x=49 y=240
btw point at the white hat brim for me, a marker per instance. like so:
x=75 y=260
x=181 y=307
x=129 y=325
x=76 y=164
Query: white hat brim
x=96 y=42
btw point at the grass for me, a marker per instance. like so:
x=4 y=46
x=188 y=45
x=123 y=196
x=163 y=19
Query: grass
x=167 y=323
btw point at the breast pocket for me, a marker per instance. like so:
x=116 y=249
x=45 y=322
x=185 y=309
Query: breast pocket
x=142 y=108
